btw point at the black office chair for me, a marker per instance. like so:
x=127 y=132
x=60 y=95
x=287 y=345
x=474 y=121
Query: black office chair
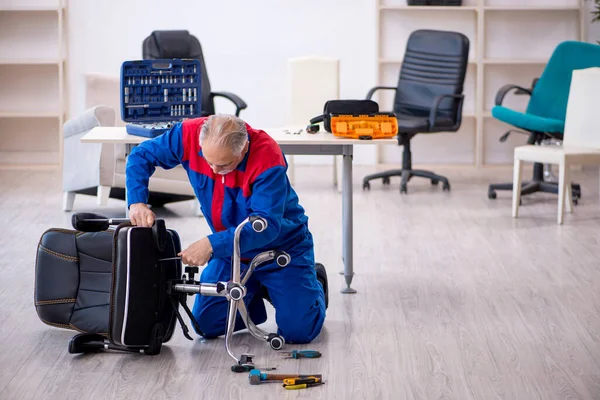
x=429 y=96
x=180 y=44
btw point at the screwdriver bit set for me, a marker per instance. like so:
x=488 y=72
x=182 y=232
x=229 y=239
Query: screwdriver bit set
x=155 y=94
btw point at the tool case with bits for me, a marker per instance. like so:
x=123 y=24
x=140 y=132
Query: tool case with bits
x=155 y=94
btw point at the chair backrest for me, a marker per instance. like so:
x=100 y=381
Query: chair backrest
x=180 y=44
x=551 y=92
x=435 y=62
x=312 y=81
x=581 y=120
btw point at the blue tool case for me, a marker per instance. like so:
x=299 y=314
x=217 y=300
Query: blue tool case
x=155 y=94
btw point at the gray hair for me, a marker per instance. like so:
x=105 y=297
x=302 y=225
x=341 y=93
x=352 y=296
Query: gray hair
x=224 y=131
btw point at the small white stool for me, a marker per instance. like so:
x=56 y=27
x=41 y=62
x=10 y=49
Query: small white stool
x=581 y=140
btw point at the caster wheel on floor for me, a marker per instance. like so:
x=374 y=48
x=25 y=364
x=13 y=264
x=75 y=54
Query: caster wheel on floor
x=276 y=342
x=386 y=180
x=434 y=182
x=491 y=194
x=366 y=185
x=446 y=187
x=403 y=189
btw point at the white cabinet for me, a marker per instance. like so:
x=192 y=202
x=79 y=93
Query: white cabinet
x=511 y=41
x=32 y=82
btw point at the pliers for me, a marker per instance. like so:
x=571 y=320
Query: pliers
x=301 y=354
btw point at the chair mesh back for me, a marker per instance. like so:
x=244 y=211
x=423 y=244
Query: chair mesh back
x=435 y=63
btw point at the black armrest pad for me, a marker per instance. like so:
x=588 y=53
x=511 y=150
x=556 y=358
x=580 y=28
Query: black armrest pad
x=507 y=88
x=376 y=88
x=436 y=104
x=235 y=99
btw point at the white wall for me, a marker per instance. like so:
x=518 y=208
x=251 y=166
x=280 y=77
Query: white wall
x=246 y=45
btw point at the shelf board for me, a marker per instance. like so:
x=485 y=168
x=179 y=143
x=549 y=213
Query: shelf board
x=514 y=61
x=30 y=114
x=31 y=61
x=29 y=167
x=531 y=8
x=31 y=8
x=430 y=8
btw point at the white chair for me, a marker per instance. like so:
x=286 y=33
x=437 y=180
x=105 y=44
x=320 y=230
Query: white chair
x=581 y=140
x=312 y=80
x=96 y=169
x=103 y=172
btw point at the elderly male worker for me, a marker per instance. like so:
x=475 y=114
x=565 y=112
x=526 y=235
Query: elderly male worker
x=237 y=171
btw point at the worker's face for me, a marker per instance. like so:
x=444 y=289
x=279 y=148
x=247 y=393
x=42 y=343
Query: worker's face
x=222 y=161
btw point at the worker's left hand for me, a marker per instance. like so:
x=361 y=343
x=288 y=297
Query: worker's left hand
x=197 y=254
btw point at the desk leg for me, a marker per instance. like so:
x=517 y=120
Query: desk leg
x=128 y=148
x=347 y=221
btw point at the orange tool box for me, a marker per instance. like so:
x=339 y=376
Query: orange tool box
x=367 y=126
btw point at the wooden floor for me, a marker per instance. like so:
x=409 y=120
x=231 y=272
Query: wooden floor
x=456 y=300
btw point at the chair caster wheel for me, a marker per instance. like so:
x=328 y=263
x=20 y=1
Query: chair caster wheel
x=386 y=180
x=238 y=369
x=446 y=187
x=575 y=201
x=366 y=185
x=491 y=194
x=403 y=189
x=276 y=342
x=434 y=182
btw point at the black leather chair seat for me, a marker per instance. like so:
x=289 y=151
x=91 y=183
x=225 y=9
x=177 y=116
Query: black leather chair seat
x=412 y=123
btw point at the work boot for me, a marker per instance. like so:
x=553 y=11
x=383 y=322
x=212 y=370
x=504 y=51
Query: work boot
x=322 y=278
x=264 y=293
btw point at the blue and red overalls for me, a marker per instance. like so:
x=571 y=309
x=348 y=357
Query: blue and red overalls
x=258 y=186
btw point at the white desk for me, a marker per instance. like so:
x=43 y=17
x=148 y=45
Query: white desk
x=321 y=143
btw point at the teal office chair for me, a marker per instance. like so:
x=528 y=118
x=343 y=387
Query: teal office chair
x=545 y=114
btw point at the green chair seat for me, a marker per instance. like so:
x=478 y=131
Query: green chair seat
x=528 y=122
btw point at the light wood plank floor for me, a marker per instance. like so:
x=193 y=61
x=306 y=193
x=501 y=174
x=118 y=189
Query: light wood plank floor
x=456 y=300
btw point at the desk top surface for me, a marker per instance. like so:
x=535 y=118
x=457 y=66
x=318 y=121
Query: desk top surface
x=119 y=135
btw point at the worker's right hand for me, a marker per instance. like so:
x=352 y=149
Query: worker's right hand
x=141 y=215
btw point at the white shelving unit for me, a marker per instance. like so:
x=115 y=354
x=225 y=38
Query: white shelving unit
x=510 y=42
x=33 y=107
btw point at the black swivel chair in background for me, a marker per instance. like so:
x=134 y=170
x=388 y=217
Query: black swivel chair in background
x=429 y=96
x=180 y=44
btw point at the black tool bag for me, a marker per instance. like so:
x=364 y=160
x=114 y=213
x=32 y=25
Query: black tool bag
x=344 y=107
x=111 y=285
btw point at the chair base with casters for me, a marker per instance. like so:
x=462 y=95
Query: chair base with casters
x=537 y=184
x=564 y=158
x=406 y=173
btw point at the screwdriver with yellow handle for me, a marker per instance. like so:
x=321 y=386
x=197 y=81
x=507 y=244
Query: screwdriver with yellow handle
x=302 y=386
x=299 y=381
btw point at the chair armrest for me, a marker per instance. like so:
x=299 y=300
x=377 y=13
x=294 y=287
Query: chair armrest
x=376 y=88
x=507 y=88
x=239 y=103
x=533 y=83
x=436 y=104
